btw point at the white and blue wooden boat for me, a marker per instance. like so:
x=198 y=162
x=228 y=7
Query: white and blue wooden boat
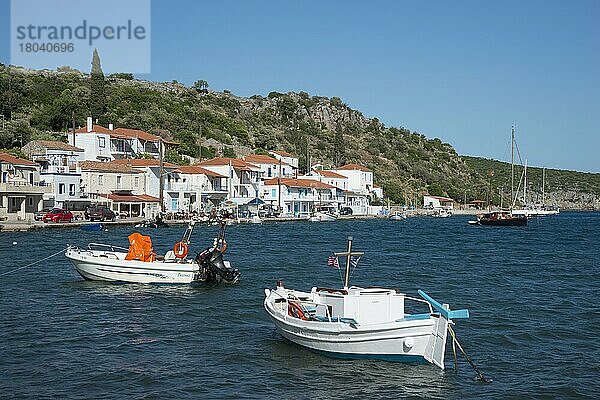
x=354 y=322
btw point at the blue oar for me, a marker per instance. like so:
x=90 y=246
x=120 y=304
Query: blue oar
x=455 y=314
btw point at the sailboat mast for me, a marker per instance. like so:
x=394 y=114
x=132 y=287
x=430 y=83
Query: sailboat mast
x=543 y=185
x=525 y=185
x=512 y=166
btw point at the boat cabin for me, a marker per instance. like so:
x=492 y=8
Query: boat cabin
x=364 y=306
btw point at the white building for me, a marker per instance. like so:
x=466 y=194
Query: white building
x=119 y=185
x=194 y=188
x=58 y=163
x=360 y=179
x=437 y=202
x=21 y=188
x=244 y=179
x=270 y=167
x=329 y=177
x=151 y=170
x=361 y=189
x=297 y=197
x=287 y=158
x=106 y=144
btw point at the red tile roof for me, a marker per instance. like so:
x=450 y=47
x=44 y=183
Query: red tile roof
x=234 y=162
x=138 y=134
x=112 y=166
x=195 y=169
x=125 y=133
x=329 y=174
x=54 y=145
x=143 y=162
x=283 y=153
x=440 y=198
x=95 y=128
x=132 y=198
x=261 y=159
x=303 y=183
x=10 y=159
x=353 y=167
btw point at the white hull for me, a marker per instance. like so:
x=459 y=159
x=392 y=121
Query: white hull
x=535 y=212
x=321 y=217
x=407 y=339
x=111 y=266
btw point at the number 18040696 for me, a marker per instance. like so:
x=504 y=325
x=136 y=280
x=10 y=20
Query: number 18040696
x=46 y=47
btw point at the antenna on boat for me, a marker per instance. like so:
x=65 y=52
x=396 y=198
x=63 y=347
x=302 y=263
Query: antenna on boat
x=348 y=254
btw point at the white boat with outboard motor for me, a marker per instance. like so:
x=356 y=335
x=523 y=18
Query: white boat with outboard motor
x=354 y=322
x=139 y=263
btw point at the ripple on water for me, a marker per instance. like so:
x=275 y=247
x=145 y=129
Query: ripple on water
x=531 y=292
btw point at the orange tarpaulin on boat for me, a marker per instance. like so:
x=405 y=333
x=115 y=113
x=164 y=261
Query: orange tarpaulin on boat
x=140 y=248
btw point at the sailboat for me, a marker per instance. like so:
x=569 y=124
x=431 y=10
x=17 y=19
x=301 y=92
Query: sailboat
x=503 y=217
x=538 y=210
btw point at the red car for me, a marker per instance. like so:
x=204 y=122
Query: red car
x=58 y=215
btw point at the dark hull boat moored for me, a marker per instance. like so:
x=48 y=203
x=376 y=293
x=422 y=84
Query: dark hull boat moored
x=499 y=218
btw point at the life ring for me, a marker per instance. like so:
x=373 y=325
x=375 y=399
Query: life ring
x=295 y=310
x=180 y=249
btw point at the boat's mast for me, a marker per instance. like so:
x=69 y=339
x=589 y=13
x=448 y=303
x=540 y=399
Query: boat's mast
x=348 y=254
x=525 y=185
x=347 y=276
x=543 y=186
x=512 y=167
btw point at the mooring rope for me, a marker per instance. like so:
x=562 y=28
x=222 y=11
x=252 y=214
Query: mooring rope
x=33 y=263
x=480 y=377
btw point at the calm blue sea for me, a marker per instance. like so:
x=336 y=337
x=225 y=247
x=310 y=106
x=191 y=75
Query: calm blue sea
x=533 y=293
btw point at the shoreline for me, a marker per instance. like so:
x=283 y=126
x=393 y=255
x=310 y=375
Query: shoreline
x=25 y=226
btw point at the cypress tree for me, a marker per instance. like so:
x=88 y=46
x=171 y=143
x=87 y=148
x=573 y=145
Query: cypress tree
x=98 y=98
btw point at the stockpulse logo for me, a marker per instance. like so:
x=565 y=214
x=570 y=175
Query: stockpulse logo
x=66 y=32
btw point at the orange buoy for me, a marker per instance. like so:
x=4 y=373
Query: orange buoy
x=180 y=249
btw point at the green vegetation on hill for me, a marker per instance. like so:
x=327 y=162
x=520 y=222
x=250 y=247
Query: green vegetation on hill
x=42 y=104
x=564 y=186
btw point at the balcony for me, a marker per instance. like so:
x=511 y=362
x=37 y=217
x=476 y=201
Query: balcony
x=59 y=169
x=25 y=187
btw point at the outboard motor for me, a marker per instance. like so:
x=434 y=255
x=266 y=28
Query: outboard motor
x=214 y=269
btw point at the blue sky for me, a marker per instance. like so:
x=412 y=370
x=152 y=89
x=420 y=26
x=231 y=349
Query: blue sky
x=462 y=71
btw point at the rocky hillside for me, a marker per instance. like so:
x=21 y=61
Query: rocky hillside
x=566 y=189
x=320 y=130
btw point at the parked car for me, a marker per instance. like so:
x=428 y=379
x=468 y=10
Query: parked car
x=269 y=211
x=101 y=213
x=58 y=215
x=346 y=211
x=39 y=215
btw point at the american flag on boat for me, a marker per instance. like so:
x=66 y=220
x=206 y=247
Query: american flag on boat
x=332 y=261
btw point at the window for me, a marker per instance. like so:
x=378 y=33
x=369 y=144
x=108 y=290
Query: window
x=273 y=192
x=101 y=142
x=269 y=172
x=118 y=182
x=31 y=178
x=61 y=188
x=136 y=181
x=100 y=179
x=30 y=201
x=72 y=189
